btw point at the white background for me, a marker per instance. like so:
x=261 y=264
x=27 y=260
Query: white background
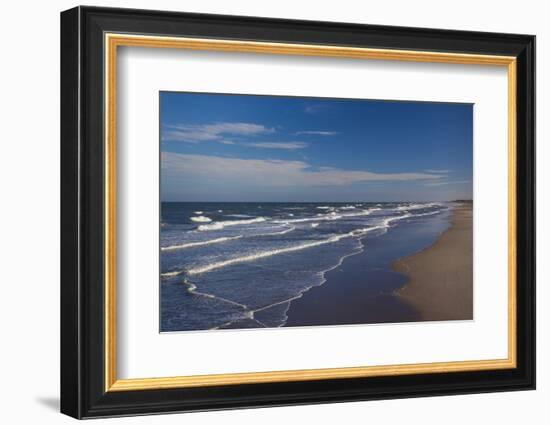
x=30 y=210
x=140 y=344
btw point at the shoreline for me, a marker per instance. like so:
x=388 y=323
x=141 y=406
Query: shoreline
x=362 y=289
x=389 y=277
x=422 y=271
x=440 y=285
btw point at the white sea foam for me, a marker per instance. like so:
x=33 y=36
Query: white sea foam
x=280 y=232
x=186 y=245
x=198 y=212
x=324 y=208
x=360 y=213
x=239 y=215
x=221 y=224
x=385 y=224
x=319 y=217
x=192 y=289
x=314 y=224
x=260 y=255
x=199 y=243
x=171 y=274
x=430 y=213
x=329 y=216
x=348 y=207
x=201 y=219
x=301 y=293
x=416 y=206
x=306 y=245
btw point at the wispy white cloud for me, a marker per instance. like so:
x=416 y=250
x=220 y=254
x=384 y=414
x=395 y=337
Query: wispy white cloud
x=277 y=145
x=317 y=133
x=197 y=133
x=448 y=182
x=439 y=171
x=268 y=173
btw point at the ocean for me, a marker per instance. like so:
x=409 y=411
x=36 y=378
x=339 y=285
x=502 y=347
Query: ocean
x=240 y=265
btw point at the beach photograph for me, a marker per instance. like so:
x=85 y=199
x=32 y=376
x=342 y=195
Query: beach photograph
x=286 y=211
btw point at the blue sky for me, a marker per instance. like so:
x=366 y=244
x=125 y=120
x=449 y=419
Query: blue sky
x=218 y=147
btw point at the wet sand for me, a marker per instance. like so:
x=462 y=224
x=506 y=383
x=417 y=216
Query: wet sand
x=362 y=289
x=441 y=276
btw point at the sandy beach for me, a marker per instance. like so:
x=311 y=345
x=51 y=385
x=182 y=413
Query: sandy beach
x=441 y=276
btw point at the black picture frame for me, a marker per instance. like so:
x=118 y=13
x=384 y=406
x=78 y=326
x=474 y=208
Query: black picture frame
x=83 y=392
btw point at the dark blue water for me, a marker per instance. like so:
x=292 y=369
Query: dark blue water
x=240 y=265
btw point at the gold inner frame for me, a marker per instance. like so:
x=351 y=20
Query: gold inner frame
x=113 y=41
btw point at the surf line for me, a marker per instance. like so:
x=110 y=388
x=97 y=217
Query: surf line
x=223 y=325
x=192 y=289
x=257 y=256
x=248 y=314
x=289 y=228
x=322 y=275
x=361 y=235
x=200 y=243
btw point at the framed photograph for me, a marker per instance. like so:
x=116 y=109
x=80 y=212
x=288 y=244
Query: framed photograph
x=261 y=212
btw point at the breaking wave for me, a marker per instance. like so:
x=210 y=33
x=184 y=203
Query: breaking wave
x=201 y=219
x=199 y=243
x=222 y=224
x=268 y=253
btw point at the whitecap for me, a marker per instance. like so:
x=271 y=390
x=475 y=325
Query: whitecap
x=264 y=254
x=260 y=255
x=171 y=274
x=199 y=243
x=201 y=219
x=221 y=224
x=414 y=206
x=329 y=216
